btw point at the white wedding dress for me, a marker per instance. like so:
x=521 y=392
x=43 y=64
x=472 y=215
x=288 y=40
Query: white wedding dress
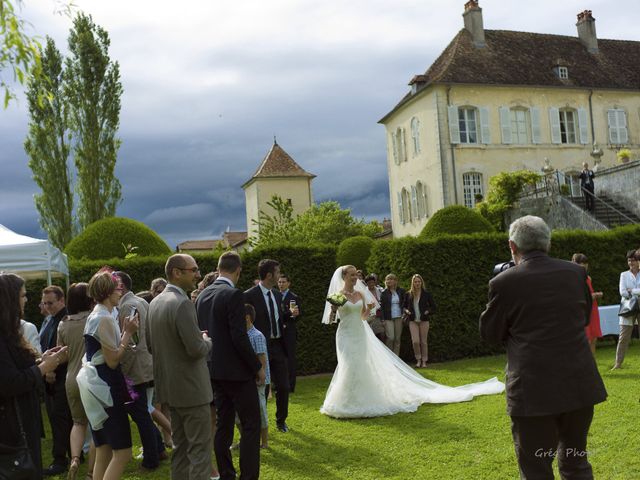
x=371 y=381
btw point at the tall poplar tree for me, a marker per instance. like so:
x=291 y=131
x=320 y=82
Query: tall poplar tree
x=93 y=91
x=47 y=146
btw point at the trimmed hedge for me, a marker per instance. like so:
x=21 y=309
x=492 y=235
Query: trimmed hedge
x=105 y=239
x=354 y=251
x=456 y=270
x=453 y=220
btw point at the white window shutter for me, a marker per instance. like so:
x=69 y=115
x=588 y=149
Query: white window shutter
x=454 y=127
x=612 y=121
x=623 y=133
x=535 y=125
x=395 y=148
x=485 y=132
x=554 y=122
x=583 y=123
x=404 y=146
x=505 y=124
x=414 y=201
x=400 y=208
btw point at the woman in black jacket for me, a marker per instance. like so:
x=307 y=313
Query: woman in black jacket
x=418 y=308
x=20 y=377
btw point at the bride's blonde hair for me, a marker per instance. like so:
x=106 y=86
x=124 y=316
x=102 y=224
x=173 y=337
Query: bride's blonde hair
x=345 y=268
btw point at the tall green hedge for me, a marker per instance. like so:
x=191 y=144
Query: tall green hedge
x=455 y=220
x=354 y=251
x=456 y=270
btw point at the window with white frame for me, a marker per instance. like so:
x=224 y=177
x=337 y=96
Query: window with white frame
x=472 y=186
x=406 y=206
x=563 y=73
x=568 y=120
x=421 y=192
x=400 y=208
x=467 y=122
x=415 y=135
x=520 y=126
x=414 y=202
x=617 y=120
x=401 y=145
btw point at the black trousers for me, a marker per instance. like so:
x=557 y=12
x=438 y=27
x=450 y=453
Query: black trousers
x=150 y=437
x=588 y=197
x=290 y=339
x=55 y=400
x=538 y=440
x=279 y=367
x=240 y=397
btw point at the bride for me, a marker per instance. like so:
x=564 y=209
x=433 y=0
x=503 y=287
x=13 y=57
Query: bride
x=370 y=380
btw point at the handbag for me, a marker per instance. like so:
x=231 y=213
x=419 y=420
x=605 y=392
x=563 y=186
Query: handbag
x=629 y=307
x=15 y=461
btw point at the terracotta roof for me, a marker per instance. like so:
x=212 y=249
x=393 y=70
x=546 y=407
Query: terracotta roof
x=198 y=245
x=231 y=239
x=522 y=58
x=279 y=163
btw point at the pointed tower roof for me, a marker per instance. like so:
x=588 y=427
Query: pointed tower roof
x=278 y=163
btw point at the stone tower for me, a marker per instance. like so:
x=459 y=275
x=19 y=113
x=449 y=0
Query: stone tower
x=278 y=174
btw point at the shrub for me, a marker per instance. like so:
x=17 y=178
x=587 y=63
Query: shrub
x=109 y=237
x=455 y=219
x=354 y=251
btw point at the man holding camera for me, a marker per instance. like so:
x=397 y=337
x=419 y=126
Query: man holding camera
x=539 y=309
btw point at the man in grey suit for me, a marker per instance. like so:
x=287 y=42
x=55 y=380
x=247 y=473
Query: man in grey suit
x=180 y=352
x=539 y=308
x=137 y=364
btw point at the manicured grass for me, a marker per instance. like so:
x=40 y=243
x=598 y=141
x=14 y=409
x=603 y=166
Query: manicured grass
x=469 y=440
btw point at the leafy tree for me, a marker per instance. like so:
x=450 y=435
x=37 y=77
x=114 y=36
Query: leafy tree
x=504 y=190
x=93 y=90
x=47 y=146
x=325 y=223
x=274 y=229
x=19 y=52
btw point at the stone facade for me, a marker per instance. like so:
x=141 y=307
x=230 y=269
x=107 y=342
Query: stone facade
x=557 y=211
x=622 y=184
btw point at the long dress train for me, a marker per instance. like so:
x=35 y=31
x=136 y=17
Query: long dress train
x=371 y=381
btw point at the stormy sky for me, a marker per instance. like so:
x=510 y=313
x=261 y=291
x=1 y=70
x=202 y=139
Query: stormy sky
x=207 y=84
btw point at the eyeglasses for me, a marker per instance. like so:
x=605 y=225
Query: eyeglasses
x=192 y=270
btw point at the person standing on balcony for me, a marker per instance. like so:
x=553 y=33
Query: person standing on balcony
x=586 y=186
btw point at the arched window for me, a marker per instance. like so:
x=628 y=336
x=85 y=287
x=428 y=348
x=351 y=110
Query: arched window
x=400 y=209
x=421 y=193
x=406 y=206
x=415 y=135
x=472 y=185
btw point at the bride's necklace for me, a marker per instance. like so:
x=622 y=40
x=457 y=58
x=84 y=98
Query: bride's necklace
x=350 y=294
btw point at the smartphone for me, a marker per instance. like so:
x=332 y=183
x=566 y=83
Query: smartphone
x=134 y=310
x=136 y=337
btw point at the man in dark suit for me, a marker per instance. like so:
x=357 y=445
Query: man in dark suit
x=56 y=396
x=290 y=304
x=270 y=316
x=586 y=185
x=539 y=308
x=234 y=369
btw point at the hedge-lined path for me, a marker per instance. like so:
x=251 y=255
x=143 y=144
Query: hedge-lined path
x=469 y=440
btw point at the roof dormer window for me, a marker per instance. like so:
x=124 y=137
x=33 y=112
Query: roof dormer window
x=563 y=73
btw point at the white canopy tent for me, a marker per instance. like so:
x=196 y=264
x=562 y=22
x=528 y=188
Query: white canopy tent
x=31 y=257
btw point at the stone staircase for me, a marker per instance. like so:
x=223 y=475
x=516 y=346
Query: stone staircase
x=608 y=212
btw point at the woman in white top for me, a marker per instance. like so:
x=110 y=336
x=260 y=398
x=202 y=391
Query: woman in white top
x=629 y=285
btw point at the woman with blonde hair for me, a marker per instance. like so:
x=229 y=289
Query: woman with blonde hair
x=418 y=308
x=103 y=388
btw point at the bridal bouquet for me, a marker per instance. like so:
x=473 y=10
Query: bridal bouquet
x=337 y=299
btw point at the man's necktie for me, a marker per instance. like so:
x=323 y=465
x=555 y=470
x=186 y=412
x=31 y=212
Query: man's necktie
x=272 y=317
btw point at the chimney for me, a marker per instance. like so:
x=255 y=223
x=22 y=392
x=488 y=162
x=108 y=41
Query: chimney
x=473 y=22
x=587 y=31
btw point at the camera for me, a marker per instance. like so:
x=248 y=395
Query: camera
x=501 y=267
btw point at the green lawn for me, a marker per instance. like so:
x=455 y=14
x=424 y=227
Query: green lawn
x=458 y=441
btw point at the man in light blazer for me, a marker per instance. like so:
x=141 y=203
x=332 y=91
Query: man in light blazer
x=180 y=352
x=235 y=369
x=539 y=308
x=137 y=364
x=267 y=302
